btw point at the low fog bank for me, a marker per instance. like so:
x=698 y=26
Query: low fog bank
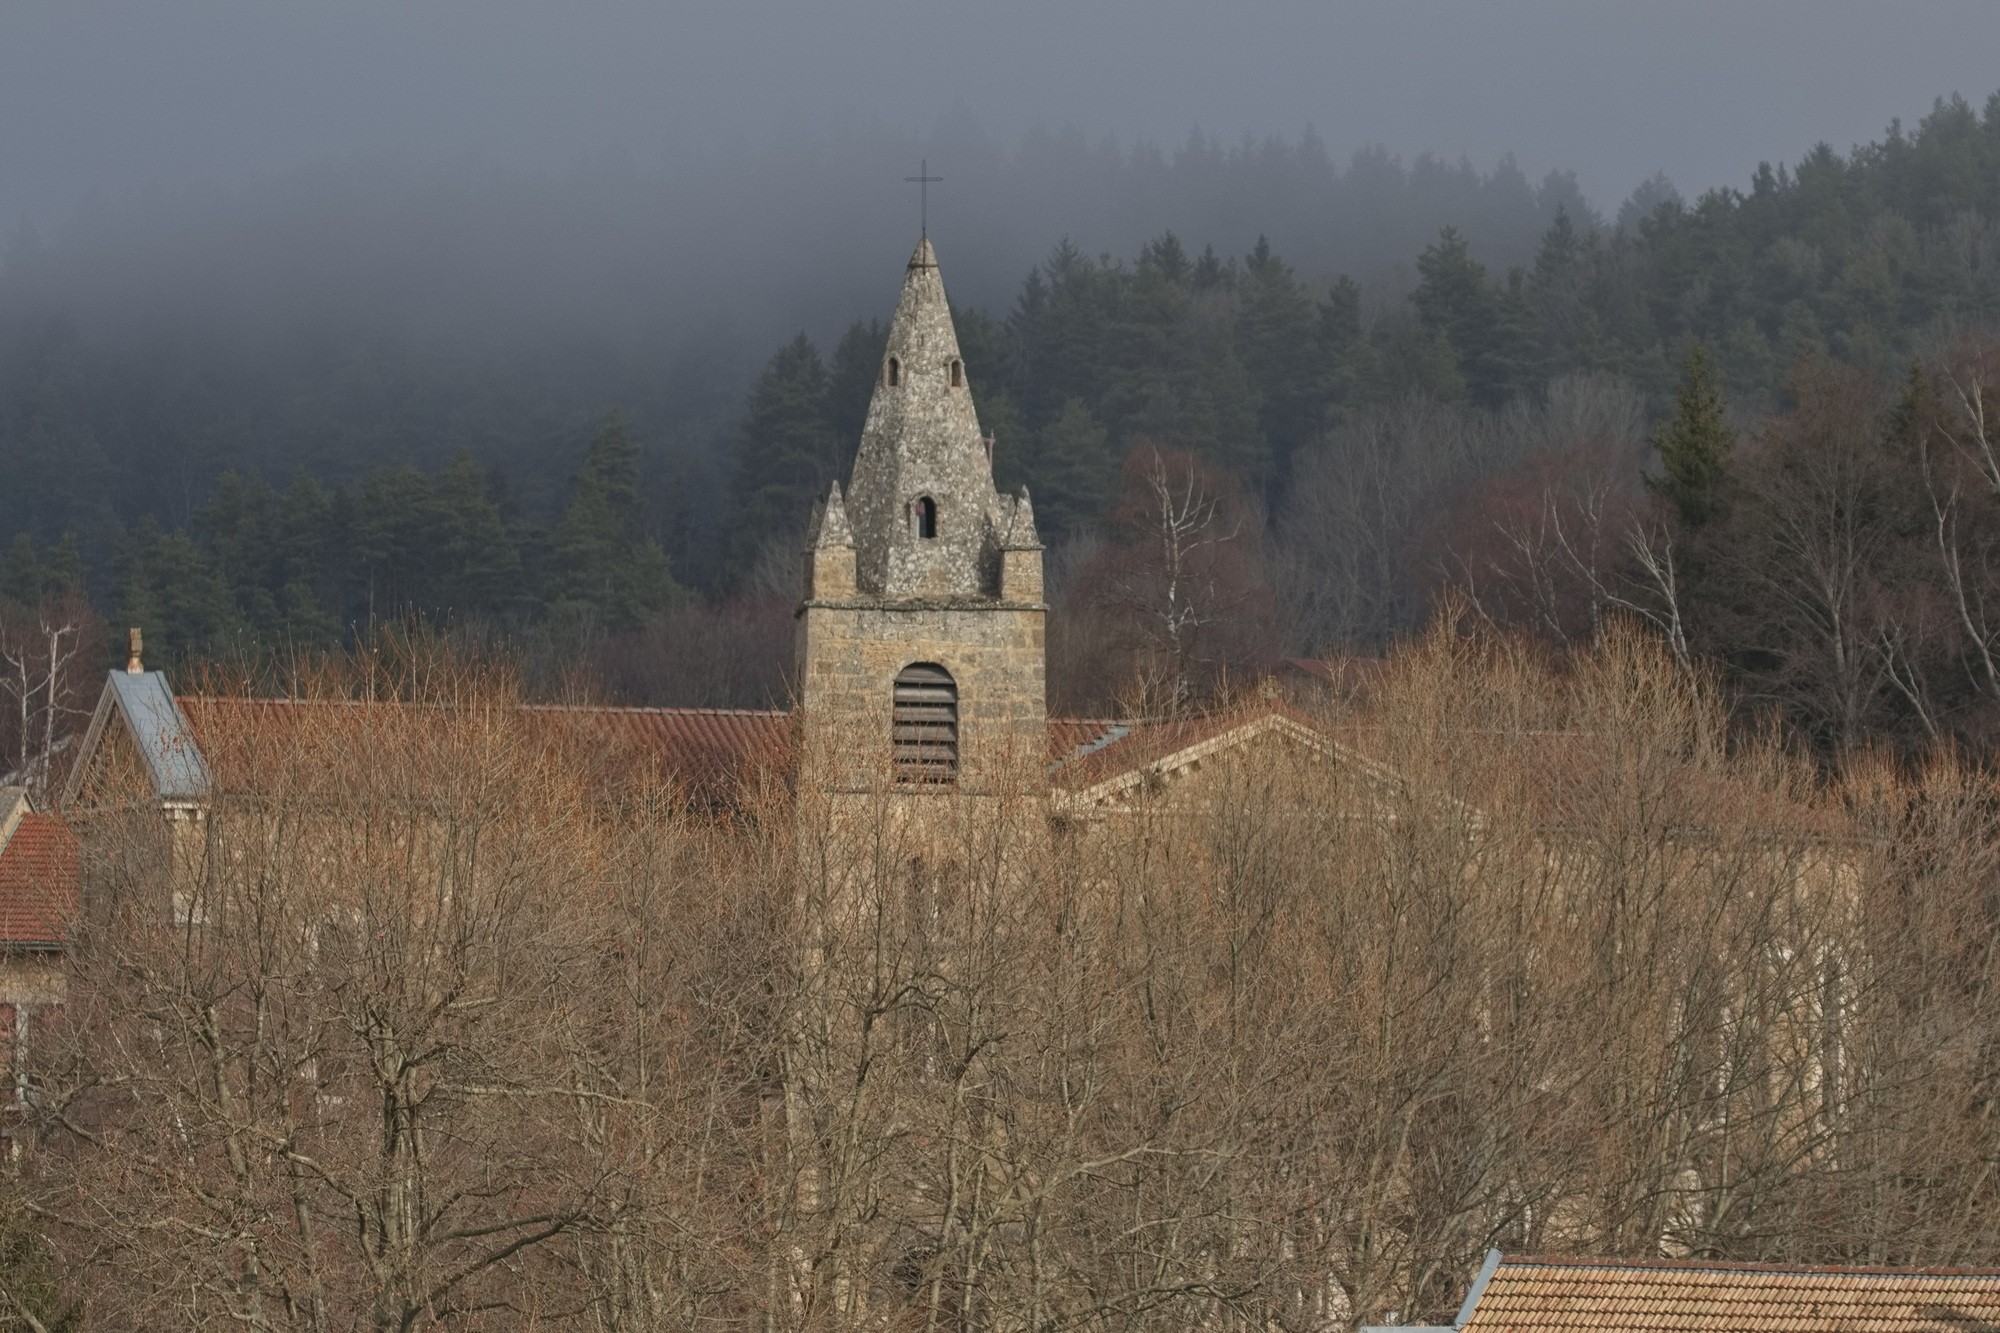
x=465 y=304
x=471 y=254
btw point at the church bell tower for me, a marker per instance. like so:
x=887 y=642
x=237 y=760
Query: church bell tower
x=921 y=637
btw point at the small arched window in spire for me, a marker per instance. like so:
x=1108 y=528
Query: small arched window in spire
x=923 y=516
x=957 y=373
x=895 y=372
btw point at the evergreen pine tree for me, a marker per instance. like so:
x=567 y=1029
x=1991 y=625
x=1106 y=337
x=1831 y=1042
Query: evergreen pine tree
x=1277 y=337
x=1565 y=326
x=1166 y=254
x=64 y=566
x=395 y=538
x=479 y=567
x=1065 y=332
x=1073 y=472
x=857 y=365
x=168 y=587
x=786 y=455
x=606 y=565
x=314 y=566
x=1694 y=447
x=21 y=573
x=238 y=527
x=1454 y=299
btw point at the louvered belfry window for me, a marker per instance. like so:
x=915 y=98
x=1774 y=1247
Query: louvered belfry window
x=925 y=725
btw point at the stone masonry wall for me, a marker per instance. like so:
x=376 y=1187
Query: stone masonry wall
x=850 y=655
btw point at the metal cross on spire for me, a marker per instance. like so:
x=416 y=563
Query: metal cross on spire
x=923 y=181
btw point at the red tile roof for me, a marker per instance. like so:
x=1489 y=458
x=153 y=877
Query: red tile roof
x=709 y=752
x=38 y=882
x=1530 y=1295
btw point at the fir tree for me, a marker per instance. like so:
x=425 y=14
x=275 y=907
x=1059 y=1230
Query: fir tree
x=606 y=565
x=238 y=524
x=1558 y=300
x=395 y=541
x=857 y=365
x=1277 y=336
x=786 y=454
x=479 y=568
x=315 y=566
x=1074 y=472
x=1694 y=445
x=21 y=575
x=168 y=587
x=1454 y=299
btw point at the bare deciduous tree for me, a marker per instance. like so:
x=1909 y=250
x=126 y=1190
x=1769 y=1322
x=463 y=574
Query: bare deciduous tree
x=1183 y=586
x=45 y=655
x=426 y=1029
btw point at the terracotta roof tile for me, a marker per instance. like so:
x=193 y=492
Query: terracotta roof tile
x=706 y=750
x=38 y=882
x=1530 y=1295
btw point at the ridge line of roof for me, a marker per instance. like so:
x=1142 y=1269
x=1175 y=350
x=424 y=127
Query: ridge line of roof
x=658 y=710
x=622 y=708
x=538 y=707
x=1735 y=1266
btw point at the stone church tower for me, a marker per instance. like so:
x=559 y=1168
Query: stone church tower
x=920 y=645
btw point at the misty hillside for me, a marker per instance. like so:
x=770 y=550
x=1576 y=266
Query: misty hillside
x=273 y=415
x=371 y=311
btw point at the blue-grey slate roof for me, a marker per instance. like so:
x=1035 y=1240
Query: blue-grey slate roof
x=161 y=732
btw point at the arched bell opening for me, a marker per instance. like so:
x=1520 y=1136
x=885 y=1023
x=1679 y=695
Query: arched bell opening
x=924 y=725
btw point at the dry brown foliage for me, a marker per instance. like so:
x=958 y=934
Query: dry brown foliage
x=422 y=1031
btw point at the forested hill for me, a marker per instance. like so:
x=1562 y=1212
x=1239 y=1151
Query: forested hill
x=1864 y=259
x=236 y=472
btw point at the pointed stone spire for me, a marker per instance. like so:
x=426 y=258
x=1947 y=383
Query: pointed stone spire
x=829 y=550
x=1021 y=534
x=1021 y=554
x=829 y=527
x=922 y=484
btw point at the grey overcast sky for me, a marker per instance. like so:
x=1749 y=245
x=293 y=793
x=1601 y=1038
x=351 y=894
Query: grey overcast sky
x=107 y=97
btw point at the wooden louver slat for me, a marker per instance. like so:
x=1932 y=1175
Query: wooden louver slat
x=924 y=724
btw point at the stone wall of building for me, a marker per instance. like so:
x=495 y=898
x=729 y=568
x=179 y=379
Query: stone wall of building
x=850 y=654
